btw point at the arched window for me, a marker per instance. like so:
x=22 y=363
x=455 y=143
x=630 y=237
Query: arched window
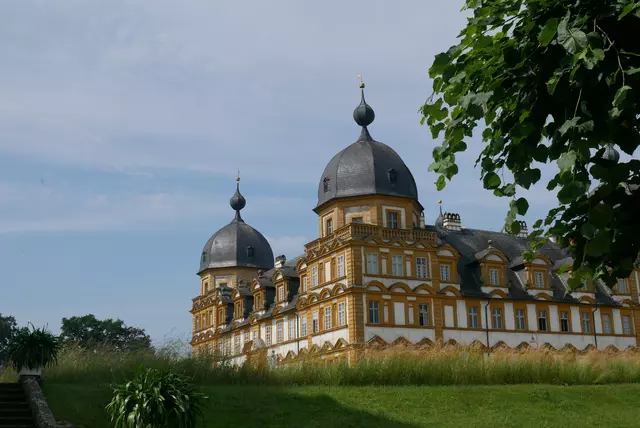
x=393 y=176
x=250 y=251
x=325 y=182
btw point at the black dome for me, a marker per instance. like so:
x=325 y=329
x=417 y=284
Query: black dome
x=366 y=167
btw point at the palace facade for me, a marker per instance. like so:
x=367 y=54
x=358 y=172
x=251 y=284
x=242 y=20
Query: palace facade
x=379 y=275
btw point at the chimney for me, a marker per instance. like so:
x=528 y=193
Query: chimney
x=452 y=221
x=422 y=220
x=280 y=261
x=524 y=232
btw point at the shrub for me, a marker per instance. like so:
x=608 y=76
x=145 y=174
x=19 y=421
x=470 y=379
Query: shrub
x=33 y=348
x=156 y=399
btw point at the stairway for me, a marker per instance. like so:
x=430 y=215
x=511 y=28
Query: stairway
x=14 y=409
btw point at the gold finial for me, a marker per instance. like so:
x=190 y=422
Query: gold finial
x=440 y=201
x=359 y=76
x=238 y=176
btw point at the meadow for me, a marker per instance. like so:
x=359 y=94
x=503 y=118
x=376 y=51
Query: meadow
x=396 y=387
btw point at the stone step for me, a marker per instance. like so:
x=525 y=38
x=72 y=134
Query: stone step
x=10 y=387
x=4 y=398
x=14 y=411
x=6 y=421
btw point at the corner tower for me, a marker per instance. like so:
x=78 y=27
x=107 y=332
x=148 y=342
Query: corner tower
x=368 y=182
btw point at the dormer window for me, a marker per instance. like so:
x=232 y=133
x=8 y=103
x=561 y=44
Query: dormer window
x=622 y=286
x=494 y=277
x=539 y=279
x=325 y=184
x=204 y=256
x=393 y=176
x=250 y=251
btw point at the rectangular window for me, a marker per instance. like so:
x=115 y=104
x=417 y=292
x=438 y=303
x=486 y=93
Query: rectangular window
x=327 y=318
x=267 y=335
x=327 y=272
x=315 y=321
x=257 y=305
x=279 y=332
x=586 y=322
x=372 y=263
x=564 y=321
x=423 y=313
x=626 y=325
x=473 y=317
x=238 y=310
x=292 y=328
x=421 y=267
x=496 y=315
x=341 y=314
x=340 y=263
x=329 y=227
x=392 y=220
x=374 y=312
x=622 y=286
x=396 y=265
x=247 y=335
x=210 y=317
x=303 y=326
x=493 y=277
x=281 y=293
x=539 y=279
x=305 y=284
x=204 y=320
x=444 y=272
x=255 y=335
x=542 y=320
x=520 y=320
x=606 y=323
x=236 y=344
x=314 y=276
x=197 y=322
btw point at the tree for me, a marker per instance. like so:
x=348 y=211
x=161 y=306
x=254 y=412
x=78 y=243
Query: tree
x=88 y=331
x=555 y=81
x=8 y=328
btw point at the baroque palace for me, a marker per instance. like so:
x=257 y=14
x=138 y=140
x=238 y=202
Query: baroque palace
x=379 y=275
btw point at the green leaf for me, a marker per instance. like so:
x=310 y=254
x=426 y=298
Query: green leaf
x=440 y=64
x=599 y=245
x=523 y=206
x=572 y=39
x=440 y=183
x=588 y=230
x=601 y=215
x=627 y=10
x=491 y=180
x=571 y=191
x=548 y=32
x=622 y=95
x=567 y=160
x=632 y=71
x=568 y=124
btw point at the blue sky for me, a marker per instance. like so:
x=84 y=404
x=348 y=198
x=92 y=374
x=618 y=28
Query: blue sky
x=123 y=123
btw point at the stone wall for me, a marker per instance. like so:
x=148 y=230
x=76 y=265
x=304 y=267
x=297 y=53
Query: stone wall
x=38 y=404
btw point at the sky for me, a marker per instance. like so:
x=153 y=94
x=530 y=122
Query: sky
x=123 y=124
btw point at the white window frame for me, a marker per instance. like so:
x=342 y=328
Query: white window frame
x=542 y=316
x=267 y=335
x=315 y=322
x=372 y=263
x=314 y=276
x=397 y=265
x=340 y=266
x=474 y=322
x=393 y=218
x=303 y=326
x=496 y=318
x=281 y=293
x=305 y=283
x=236 y=343
x=538 y=279
x=341 y=314
x=423 y=314
x=564 y=316
x=373 y=307
x=279 y=332
x=292 y=328
x=445 y=272
x=421 y=267
x=586 y=322
x=494 y=276
x=626 y=325
x=328 y=322
x=329 y=224
x=606 y=325
x=622 y=286
x=521 y=317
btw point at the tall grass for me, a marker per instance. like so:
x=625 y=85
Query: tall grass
x=393 y=366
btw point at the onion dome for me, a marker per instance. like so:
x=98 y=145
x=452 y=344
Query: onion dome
x=366 y=167
x=237 y=244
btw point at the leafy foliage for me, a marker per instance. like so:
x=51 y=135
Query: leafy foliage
x=33 y=348
x=90 y=332
x=156 y=399
x=555 y=81
x=8 y=328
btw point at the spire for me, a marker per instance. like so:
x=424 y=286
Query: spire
x=440 y=219
x=363 y=114
x=237 y=201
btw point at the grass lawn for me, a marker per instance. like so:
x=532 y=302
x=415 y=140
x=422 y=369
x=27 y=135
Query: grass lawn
x=398 y=406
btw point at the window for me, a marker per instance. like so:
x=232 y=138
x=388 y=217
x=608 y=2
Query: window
x=197 y=322
x=210 y=317
x=329 y=227
x=303 y=326
x=520 y=320
x=622 y=286
x=626 y=324
x=423 y=314
x=392 y=220
x=586 y=322
x=327 y=272
x=341 y=314
x=356 y=220
x=473 y=317
x=374 y=312
x=496 y=314
x=314 y=276
x=279 y=332
x=325 y=184
x=372 y=263
x=539 y=279
x=340 y=266
x=255 y=335
x=542 y=320
x=393 y=176
x=493 y=277
x=250 y=252
x=267 y=335
x=236 y=347
x=238 y=309
x=204 y=321
x=281 y=293
x=314 y=322
x=327 y=318
x=210 y=350
x=305 y=283
x=396 y=265
x=258 y=303
x=204 y=257
x=444 y=272
x=606 y=323
x=564 y=321
x=221 y=317
x=246 y=337
x=421 y=267
x=292 y=328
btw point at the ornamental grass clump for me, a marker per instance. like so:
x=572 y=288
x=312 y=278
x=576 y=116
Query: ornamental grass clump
x=156 y=399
